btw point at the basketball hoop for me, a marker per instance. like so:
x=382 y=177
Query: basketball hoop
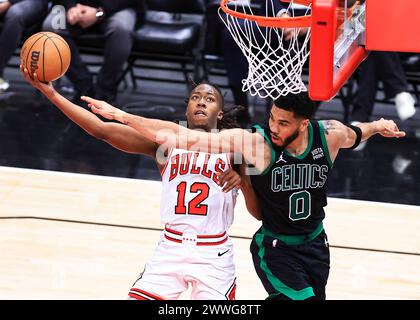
x=276 y=47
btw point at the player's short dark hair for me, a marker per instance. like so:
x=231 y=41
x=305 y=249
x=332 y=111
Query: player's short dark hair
x=300 y=104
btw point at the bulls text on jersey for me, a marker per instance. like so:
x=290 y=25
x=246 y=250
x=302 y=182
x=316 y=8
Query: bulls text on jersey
x=186 y=163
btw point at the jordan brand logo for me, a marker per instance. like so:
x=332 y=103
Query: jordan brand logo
x=281 y=158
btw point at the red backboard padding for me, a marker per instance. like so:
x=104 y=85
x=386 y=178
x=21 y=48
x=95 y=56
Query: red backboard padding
x=393 y=25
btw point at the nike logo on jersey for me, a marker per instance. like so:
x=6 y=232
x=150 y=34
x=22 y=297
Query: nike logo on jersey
x=221 y=254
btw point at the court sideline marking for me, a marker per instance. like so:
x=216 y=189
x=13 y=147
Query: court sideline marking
x=158 y=229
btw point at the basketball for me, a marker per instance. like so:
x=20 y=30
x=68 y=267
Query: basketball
x=47 y=54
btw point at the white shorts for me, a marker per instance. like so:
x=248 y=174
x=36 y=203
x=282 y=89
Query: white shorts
x=206 y=264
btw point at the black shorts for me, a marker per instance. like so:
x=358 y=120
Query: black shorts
x=295 y=272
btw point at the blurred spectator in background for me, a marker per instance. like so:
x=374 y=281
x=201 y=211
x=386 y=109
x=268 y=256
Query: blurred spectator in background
x=412 y=62
x=15 y=17
x=116 y=20
x=385 y=67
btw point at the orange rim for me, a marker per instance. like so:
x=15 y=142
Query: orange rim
x=275 y=22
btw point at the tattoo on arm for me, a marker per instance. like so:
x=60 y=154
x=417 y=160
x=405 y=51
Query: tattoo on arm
x=329 y=126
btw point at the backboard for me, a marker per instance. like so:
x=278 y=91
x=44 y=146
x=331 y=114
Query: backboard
x=345 y=31
x=393 y=25
x=337 y=45
x=338 y=36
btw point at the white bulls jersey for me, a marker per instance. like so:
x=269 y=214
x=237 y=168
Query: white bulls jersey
x=192 y=200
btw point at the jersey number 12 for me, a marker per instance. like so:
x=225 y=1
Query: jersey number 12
x=195 y=205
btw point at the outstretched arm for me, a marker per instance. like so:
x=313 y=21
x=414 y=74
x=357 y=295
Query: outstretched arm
x=386 y=128
x=118 y=135
x=230 y=179
x=341 y=136
x=251 y=145
x=251 y=200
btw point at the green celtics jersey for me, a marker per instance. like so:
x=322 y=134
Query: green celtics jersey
x=292 y=190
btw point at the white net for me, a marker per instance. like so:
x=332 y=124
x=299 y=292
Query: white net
x=276 y=56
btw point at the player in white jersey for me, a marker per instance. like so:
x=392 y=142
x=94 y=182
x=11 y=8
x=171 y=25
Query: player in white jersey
x=198 y=198
x=195 y=247
x=195 y=177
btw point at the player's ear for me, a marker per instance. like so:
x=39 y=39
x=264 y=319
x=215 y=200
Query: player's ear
x=304 y=125
x=220 y=115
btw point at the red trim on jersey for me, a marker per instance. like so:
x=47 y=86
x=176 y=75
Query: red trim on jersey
x=137 y=297
x=173 y=231
x=212 y=243
x=143 y=295
x=173 y=239
x=167 y=161
x=200 y=236
x=231 y=293
x=209 y=236
x=198 y=243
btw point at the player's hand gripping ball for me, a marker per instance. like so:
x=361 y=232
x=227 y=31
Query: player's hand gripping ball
x=47 y=54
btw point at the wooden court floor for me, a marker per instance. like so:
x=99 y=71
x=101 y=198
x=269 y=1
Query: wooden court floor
x=74 y=236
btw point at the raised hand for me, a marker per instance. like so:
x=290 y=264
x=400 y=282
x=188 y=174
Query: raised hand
x=104 y=109
x=229 y=179
x=73 y=15
x=87 y=16
x=46 y=88
x=388 y=129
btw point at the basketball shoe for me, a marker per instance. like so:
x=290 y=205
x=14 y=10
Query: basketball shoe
x=4 y=85
x=404 y=103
